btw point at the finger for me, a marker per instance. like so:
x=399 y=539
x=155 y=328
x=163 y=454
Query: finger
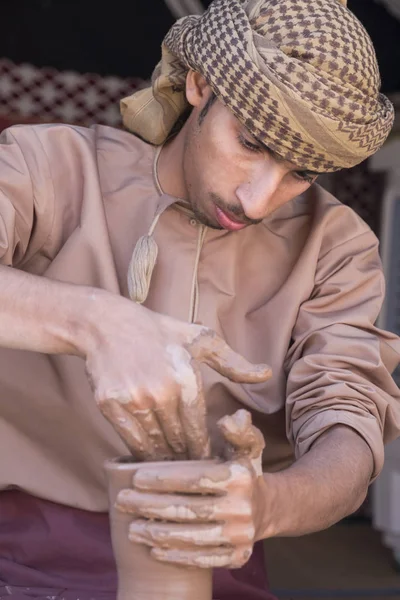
x=193 y=413
x=206 y=558
x=239 y=431
x=207 y=347
x=174 y=535
x=128 y=428
x=178 y=508
x=166 y=507
x=171 y=535
x=168 y=416
x=192 y=406
x=193 y=478
x=150 y=424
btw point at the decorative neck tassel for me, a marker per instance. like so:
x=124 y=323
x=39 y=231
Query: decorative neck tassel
x=142 y=265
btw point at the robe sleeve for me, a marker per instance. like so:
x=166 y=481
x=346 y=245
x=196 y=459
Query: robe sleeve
x=26 y=196
x=339 y=364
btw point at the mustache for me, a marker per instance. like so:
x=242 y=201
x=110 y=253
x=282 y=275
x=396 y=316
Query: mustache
x=234 y=210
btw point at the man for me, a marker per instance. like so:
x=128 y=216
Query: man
x=220 y=228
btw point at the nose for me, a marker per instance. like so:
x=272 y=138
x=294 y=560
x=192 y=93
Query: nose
x=255 y=195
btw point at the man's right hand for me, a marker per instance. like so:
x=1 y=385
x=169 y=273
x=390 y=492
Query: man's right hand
x=143 y=371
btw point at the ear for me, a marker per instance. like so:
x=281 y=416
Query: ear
x=197 y=89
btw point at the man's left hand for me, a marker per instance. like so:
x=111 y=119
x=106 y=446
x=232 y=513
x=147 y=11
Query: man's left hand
x=198 y=514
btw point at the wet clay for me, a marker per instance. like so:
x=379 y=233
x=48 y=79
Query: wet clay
x=140 y=575
x=245 y=440
x=209 y=348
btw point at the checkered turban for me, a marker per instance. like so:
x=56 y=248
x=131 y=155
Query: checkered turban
x=301 y=75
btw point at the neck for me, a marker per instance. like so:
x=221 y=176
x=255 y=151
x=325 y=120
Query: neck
x=170 y=168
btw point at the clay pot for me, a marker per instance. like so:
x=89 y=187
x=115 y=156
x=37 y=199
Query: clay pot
x=140 y=576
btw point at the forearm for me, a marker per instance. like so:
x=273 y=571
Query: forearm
x=325 y=485
x=43 y=315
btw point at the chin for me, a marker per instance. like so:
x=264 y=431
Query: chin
x=214 y=226
x=204 y=220
x=202 y=216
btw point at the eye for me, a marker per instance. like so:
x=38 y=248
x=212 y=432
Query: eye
x=248 y=145
x=305 y=176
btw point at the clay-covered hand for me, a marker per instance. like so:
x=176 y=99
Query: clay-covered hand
x=201 y=515
x=143 y=371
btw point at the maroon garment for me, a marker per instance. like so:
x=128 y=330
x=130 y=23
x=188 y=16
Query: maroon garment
x=50 y=551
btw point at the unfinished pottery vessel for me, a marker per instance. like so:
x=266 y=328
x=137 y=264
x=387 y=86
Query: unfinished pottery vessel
x=140 y=576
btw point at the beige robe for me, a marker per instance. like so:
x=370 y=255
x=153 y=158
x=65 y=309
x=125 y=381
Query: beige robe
x=300 y=291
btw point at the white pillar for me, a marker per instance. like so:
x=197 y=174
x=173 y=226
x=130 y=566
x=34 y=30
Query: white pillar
x=386 y=490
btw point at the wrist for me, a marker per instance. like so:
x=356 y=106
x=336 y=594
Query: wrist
x=266 y=506
x=88 y=311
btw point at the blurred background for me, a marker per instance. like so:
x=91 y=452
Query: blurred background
x=72 y=62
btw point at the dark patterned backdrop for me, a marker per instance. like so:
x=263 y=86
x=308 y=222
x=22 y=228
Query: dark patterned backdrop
x=72 y=62
x=123 y=38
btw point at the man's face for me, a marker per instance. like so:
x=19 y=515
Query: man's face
x=231 y=180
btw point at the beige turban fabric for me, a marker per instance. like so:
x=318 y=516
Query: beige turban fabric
x=301 y=75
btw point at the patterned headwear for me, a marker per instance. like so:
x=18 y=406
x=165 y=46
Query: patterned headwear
x=301 y=75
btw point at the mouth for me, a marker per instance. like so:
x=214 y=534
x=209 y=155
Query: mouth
x=228 y=222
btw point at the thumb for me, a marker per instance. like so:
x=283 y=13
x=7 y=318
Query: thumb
x=239 y=431
x=207 y=347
